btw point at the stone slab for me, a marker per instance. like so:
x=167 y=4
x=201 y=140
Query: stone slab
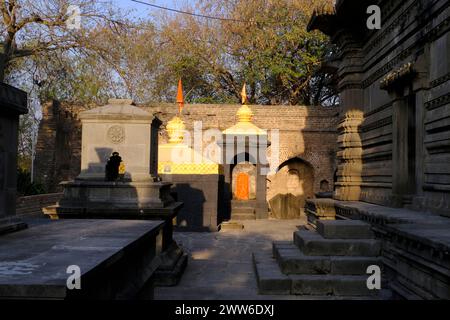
x=344 y=229
x=338 y=285
x=231 y=225
x=116 y=259
x=292 y=261
x=313 y=244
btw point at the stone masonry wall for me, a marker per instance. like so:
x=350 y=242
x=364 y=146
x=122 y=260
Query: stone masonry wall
x=32 y=205
x=307 y=133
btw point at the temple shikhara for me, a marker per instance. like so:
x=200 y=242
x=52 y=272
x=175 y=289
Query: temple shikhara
x=179 y=201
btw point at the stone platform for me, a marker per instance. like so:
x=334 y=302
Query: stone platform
x=416 y=247
x=128 y=201
x=117 y=259
x=331 y=260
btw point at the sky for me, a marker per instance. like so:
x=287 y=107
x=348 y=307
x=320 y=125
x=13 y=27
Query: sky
x=142 y=11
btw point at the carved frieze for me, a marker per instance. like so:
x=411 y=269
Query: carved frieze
x=398 y=77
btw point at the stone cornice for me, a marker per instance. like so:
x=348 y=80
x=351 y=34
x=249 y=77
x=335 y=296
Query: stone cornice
x=434 y=33
x=439 y=81
x=438 y=102
x=376 y=124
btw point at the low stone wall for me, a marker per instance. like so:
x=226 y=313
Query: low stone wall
x=32 y=205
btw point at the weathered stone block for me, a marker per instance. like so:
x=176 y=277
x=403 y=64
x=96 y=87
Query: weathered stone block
x=326 y=285
x=269 y=277
x=116 y=258
x=313 y=244
x=344 y=229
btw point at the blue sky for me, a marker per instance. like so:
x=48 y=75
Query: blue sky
x=141 y=10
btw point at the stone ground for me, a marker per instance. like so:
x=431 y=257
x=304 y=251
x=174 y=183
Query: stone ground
x=220 y=263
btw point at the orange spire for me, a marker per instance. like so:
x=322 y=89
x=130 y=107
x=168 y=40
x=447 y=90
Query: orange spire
x=180 y=99
x=244 y=95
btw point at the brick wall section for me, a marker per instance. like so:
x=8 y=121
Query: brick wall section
x=32 y=205
x=308 y=133
x=58 y=148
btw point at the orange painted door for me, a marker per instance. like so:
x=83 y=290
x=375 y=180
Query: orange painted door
x=242 y=186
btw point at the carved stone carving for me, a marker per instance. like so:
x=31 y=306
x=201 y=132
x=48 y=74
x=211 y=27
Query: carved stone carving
x=116 y=134
x=320 y=209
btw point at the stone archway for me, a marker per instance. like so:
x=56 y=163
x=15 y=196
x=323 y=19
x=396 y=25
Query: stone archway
x=292 y=184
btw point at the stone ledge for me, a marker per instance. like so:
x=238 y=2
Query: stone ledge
x=116 y=259
x=429 y=229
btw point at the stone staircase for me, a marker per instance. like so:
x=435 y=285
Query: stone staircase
x=243 y=210
x=330 y=261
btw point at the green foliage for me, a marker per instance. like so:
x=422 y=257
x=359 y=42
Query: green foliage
x=24 y=162
x=268 y=48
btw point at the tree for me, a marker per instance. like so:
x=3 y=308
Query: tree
x=43 y=52
x=261 y=42
x=38 y=27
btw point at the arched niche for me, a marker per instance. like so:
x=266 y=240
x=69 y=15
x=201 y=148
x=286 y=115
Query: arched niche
x=290 y=186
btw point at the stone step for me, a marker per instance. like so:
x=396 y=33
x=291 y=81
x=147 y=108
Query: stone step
x=243 y=204
x=243 y=210
x=344 y=229
x=231 y=226
x=331 y=285
x=243 y=216
x=272 y=281
x=269 y=277
x=292 y=261
x=313 y=244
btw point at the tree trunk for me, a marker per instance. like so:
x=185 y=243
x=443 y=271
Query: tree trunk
x=2 y=67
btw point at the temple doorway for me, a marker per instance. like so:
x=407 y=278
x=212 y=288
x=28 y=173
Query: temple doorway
x=242 y=186
x=244 y=181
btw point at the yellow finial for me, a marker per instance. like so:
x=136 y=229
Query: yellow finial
x=175 y=129
x=244 y=114
x=244 y=95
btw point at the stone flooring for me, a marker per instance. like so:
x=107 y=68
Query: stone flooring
x=220 y=264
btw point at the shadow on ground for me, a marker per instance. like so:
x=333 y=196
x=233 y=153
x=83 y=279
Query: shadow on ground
x=220 y=263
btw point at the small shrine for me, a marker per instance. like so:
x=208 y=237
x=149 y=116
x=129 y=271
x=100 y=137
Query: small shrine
x=196 y=180
x=245 y=166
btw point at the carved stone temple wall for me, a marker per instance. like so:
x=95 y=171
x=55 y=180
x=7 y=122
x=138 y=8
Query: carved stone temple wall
x=394 y=135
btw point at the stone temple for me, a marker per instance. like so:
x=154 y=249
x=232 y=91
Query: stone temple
x=288 y=201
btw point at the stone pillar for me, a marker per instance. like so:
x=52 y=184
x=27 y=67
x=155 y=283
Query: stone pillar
x=399 y=151
x=262 y=169
x=13 y=103
x=348 y=186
